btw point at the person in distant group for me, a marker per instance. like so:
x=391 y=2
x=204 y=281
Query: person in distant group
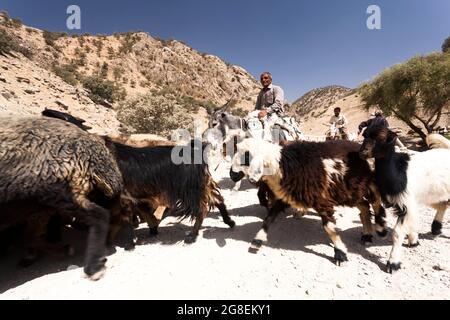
x=270 y=99
x=340 y=122
x=379 y=120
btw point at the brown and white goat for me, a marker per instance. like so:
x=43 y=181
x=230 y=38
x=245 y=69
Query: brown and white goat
x=315 y=175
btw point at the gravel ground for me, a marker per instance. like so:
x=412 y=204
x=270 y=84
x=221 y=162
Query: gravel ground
x=296 y=263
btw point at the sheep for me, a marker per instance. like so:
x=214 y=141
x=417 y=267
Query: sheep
x=405 y=182
x=47 y=165
x=437 y=141
x=318 y=175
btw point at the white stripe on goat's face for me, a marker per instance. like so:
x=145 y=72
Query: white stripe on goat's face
x=257 y=158
x=256 y=169
x=335 y=169
x=262 y=165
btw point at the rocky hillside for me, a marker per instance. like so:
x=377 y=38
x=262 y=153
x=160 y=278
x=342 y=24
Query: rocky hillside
x=27 y=89
x=316 y=101
x=315 y=108
x=117 y=67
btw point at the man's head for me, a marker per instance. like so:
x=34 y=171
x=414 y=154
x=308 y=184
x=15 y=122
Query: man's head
x=378 y=113
x=337 y=111
x=266 y=79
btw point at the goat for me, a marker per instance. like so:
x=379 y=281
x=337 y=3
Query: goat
x=150 y=175
x=407 y=181
x=47 y=165
x=153 y=181
x=318 y=175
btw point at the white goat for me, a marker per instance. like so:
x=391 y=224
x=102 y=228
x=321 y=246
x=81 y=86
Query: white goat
x=405 y=182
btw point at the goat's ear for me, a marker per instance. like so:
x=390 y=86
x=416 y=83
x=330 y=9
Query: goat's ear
x=391 y=137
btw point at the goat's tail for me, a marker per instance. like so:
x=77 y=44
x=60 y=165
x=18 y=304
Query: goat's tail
x=437 y=141
x=191 y=198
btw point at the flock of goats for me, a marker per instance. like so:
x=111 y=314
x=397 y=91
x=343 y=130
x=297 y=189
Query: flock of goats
x=54 y=173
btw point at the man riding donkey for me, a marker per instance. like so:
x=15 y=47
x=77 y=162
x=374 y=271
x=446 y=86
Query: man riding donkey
x=266 y=122
x=269 y=110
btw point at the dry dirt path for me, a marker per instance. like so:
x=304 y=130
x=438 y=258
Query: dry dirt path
x=295 y=264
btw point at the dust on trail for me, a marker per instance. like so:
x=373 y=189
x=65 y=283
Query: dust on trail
x=296 y=263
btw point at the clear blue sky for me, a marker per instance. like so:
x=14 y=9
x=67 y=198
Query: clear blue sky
x=305 y=44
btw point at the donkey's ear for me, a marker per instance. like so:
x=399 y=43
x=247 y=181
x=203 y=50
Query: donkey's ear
x=247 y=159
x=391 y=137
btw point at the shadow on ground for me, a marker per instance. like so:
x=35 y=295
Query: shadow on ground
x=286 y=233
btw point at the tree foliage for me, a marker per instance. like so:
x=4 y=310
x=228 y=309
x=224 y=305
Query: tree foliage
x=9 y=44
x=446 y=45
x=101 y=89
x=154 y=114
x=51 y=37
x=416 y=92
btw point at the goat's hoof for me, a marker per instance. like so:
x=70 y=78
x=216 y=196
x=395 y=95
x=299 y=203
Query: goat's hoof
x=190 y=238
x=339 y=257
x=436 y=228
x=97 y=275
x=153 y=232
x=382 y=234
x=130 y=246
x=413 y=245
x=96 y=271
x=391 y=267
x=231 y=223
x=298 y=215
x=366 y=238
x=255 y=246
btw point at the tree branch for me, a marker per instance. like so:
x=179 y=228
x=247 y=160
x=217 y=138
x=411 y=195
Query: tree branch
x=421 y=120
x=439 y=114
x=416 y=129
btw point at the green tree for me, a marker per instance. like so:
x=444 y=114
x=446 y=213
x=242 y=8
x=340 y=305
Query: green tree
x=8 y=44
x=67 y=72
x=51 y=37
x=102 y=90
x=446 y=45
x=153 y=114
x=416 y=92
